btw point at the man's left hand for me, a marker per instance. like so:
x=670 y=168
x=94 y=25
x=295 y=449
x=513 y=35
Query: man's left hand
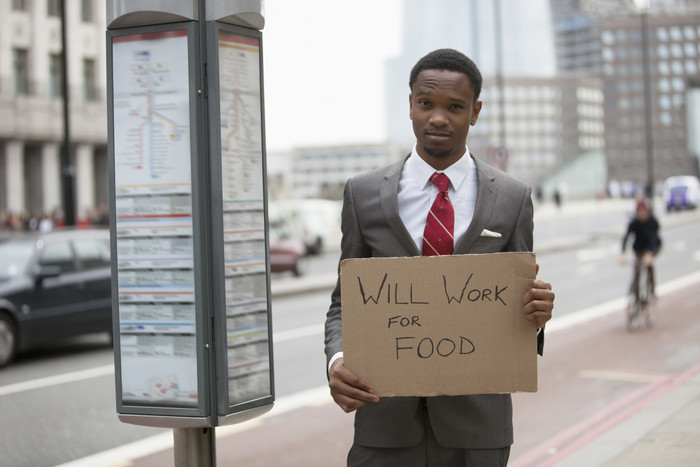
x=539 y=301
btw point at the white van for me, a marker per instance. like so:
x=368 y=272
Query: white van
x=682 y=192
x=316 y=222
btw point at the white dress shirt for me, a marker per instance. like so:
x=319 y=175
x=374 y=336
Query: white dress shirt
x=417 y=194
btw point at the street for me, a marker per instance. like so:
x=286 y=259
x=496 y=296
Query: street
x=65 y=399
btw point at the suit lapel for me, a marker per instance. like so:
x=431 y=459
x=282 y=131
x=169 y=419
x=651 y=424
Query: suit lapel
x=486 y=191
x=388 y=197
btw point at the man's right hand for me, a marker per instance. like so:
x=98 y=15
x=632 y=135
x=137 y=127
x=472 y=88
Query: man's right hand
x=347 y=390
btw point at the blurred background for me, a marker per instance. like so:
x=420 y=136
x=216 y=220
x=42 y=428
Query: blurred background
x=592 y=102
x=582 y=98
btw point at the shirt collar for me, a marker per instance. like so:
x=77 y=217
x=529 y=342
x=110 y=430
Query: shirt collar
x=421 y=171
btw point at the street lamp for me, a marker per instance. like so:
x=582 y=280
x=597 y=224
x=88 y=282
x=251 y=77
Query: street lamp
x=498 y=153
x=67 y=169
x=643 y=7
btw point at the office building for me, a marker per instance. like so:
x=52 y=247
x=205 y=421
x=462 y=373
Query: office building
x=550 y=123
x=321 y=172
x=673 y=53
x=31 y=105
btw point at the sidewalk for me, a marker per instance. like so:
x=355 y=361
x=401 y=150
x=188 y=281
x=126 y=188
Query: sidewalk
x=654 y=422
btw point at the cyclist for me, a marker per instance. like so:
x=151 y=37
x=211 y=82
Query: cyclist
x=647 y=241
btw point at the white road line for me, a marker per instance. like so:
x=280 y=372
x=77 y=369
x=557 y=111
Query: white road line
x=297 y=333
x=56 y=380
x=122 y=455
x=595 y=254
x=587 y=269
x=39 y=383
x=587 y=314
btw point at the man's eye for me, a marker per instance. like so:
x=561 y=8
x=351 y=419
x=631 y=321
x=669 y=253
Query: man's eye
x=457 y=107
x=424 y=103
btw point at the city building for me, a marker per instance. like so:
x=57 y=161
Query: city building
x=321 y=172
x=527 y=46
x=31 y=105
x=673 y=55
x=550 y=123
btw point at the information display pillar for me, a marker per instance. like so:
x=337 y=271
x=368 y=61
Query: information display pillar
x=188 y=203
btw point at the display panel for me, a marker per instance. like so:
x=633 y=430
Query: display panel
x=153 y=217
x=243 y=201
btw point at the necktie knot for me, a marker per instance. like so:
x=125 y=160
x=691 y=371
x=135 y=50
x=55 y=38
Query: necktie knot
x=441 y=181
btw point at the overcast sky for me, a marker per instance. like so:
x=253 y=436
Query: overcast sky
x=324 y=70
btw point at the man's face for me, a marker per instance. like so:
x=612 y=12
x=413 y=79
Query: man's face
x=442 y=109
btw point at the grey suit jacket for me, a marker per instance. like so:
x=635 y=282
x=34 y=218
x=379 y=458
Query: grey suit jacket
x=372 y=227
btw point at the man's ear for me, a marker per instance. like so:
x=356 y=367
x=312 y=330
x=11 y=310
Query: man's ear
x=475 y=112
x=410 y=106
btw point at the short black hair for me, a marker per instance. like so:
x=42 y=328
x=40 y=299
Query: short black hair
x=449 y=59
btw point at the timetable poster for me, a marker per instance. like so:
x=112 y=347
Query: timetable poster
x=244 y=219
x=153 y=197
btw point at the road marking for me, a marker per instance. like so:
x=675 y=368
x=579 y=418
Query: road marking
x=586 y=269
x=40 y=383
x=568 y=320
x=679 y=245
x=297 y=333
x=123 y=455
x=64 y=378
x=595 y=254
x=625 y=376
x=566 y=443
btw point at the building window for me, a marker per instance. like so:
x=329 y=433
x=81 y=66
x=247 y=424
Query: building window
x=19 y=5
x=689 y=33
x=55 y=75
x=86 y=11
x=89 y=80
x=21 y=71
x=53 y=7
x=676 y=34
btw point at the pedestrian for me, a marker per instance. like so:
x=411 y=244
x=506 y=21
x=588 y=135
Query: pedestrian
x=385 y=214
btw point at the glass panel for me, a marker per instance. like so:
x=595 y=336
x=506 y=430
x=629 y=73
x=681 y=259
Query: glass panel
x=90 y=254
x=58 y=254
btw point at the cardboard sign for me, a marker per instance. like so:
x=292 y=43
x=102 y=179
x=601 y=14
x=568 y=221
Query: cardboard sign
x=441 y=325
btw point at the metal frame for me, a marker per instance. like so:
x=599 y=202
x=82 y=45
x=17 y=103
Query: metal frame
x=227 y=411
x=152 y=415
x=213 y=405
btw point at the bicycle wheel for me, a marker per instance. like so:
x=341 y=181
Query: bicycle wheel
x=635 y=308
x=634 y=313
x=650 y=310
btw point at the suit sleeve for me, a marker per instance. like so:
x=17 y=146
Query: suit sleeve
x=522 y=238
x=525 y=227
x=352 y=245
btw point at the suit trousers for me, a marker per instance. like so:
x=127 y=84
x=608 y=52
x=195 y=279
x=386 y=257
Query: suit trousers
x=427 y=453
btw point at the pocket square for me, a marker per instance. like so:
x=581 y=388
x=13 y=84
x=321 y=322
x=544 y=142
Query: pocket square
x=489 y=233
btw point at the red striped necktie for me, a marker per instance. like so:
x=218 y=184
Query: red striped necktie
x=438 y=237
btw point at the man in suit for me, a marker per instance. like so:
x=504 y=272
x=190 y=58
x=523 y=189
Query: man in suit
x=386 y=213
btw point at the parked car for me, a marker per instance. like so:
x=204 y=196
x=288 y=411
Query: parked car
x=681 y=192
x=53 y=285
x=316 y=222
x=286 y=253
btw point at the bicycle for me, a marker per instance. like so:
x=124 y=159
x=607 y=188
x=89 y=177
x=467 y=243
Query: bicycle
x=642 y=300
